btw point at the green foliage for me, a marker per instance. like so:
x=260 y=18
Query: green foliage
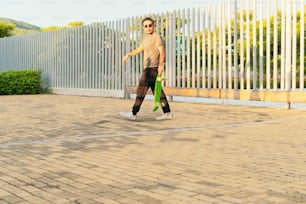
x=70 y=25
x=75 y=24
x=20 y=28
x=278 y=36
x=244 y=40
x=50 y=28
x=6 y=29
x=20 y=82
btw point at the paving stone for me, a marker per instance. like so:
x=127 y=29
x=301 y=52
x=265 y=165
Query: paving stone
x=70 y=149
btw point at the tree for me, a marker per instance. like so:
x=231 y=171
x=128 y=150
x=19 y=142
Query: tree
x=6 y=29
x=70 y=25
x=75 y=24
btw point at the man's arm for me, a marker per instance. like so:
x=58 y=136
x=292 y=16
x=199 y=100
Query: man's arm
x=161 y=50
x=132 y=53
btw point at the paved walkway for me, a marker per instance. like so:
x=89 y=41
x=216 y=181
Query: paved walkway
x=66 y=149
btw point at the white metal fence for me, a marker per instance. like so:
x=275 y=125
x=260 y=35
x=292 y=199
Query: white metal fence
x=237 y=45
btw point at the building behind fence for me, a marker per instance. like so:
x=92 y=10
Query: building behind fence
x=238 y=45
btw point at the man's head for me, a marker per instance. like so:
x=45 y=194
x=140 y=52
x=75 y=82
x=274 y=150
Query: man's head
x=148 y=25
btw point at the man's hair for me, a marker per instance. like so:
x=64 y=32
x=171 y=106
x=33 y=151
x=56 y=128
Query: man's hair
x=147 y=19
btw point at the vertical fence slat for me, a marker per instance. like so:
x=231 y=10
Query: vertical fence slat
x=268 y=48
x=193 y=49
x=56 y=54
x=288 y=45
x=174 y=71
x=98 y=56
x=171 y=46
x=140 y=56
x=248 y=46
x=183 y=51
x=223 y=47
x=254 y=57
x=119 y=70
x=70 y=49
x=123 y=53
x=112 y=66
x=220 y=68
x=204 y=48
x=294 y=46
x=110 y=76
x=283 y=45
x=198 y=70
x=209 y=69
x=128 y=48
x=275 y=45
x=64 y=58
x=167 y=54
x=133 y=59
x=179 y=49
x=102 y=77
x=137 y=30
x=115 y=55
x=215 y=48
x=302 y=44
x=261 y=45
x=82 y=57
x=94 y=56
x=235 y=47
x=87 y=59
x=188 y=49
x=229 y=46
x=121 y=48
x=241 y=40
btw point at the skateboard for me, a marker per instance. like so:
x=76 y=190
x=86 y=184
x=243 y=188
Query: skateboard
x=157 y=92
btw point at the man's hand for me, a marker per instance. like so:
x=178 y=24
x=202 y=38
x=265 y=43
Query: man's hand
x=125 y=58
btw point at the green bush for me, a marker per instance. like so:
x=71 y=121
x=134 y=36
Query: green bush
x=20 y=82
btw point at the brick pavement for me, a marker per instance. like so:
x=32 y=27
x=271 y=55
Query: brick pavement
x=66 y=149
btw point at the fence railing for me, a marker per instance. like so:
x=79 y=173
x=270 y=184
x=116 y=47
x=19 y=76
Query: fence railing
x=237 y=45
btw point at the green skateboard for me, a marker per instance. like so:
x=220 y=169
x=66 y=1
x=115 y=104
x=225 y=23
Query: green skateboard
x=157 y=92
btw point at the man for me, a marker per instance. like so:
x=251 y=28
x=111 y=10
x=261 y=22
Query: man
x=154 y=57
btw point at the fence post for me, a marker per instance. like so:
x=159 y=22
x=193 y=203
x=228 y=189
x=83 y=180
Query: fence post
x=288 y=45
x=302 y=44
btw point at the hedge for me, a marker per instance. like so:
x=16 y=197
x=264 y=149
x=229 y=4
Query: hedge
x=20 y=82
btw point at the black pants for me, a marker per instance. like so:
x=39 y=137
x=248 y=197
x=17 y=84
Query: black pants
x=147 y=81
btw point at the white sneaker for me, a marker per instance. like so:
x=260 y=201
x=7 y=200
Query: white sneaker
x=165 y=116
x=128 y=115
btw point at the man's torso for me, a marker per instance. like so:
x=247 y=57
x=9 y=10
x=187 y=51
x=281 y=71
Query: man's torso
x=150 y=44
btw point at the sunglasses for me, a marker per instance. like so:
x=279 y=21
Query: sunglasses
x=150 y=26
